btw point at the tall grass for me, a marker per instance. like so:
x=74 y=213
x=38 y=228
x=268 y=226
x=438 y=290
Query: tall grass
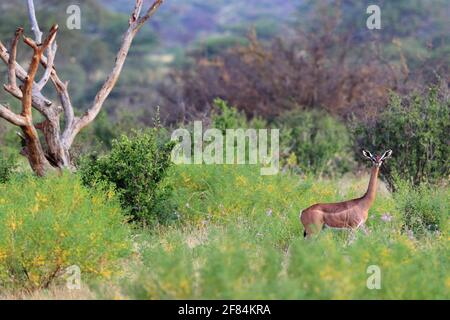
x=234 y=235
x=237 y=262
x=51 y=224
x=239 y=237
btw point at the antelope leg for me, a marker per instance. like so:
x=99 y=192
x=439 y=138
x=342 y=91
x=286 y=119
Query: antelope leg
x=364 y=229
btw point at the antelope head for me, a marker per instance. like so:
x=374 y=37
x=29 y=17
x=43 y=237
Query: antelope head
x=377 y=160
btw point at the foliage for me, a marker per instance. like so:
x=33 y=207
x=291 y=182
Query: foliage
x=267 y=79
x=7 y=166
x=51 y=224
x=315 y=141
x=224 y=117
x=136 y=168
x=424 y=208
x=240 y=238
x=218 y=193
x=416 y=128
x=236 y=263
x=215 y=45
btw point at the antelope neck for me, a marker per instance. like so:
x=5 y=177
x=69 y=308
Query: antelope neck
x=369 y=196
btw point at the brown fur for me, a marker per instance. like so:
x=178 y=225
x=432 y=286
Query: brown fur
x=351 y=214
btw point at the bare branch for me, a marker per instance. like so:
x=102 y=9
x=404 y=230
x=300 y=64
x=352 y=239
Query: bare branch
x=30 y=95
x=50 y=38
x=136 y=12
x=31 y=43
x=150 y=12
x=136 y=22
x=27 y=89
x=40 y=48
x=10 y=116
x=49 y=68
x=12 y=59
x=64 y=97
x=33 y=21
x=63 y=94
x=38 y=98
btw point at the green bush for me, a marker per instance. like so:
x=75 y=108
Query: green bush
x=417 y=128
x=214 y=45
x=49 y=224
x=241 y=238
x=136 y=168
x=239 y=261
x=7 y=167
x=423 y=208
x=314 y=141
x=225 y=117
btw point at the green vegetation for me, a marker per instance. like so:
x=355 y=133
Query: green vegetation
x=225 y=117
x=7 y=166
x=424 y=208
x=51 y=224
x=140 y=227
x=416 y=127
x=315 y=141
x=135 y=168
x=237 y=234
x=239 y=237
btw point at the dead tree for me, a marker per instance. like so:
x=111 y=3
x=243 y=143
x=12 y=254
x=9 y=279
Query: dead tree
x=55 y=152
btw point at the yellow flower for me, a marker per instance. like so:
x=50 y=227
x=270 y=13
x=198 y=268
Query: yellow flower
x=385 y=253
x=184 y=285
x=39 y=260
x=110 y=194
x=35 y=209
x=3 y=254
x=292 y=160
x=241 y=181
x=40 y=198
x=329 y=274
x=35 y=279
x=106 y=273
x=14 y=224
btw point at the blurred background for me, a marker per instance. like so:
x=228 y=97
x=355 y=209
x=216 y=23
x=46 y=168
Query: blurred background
x=310 y=66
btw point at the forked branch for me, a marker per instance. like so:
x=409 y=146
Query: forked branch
x=135 y=24
x=30 y=93
x=27 y=90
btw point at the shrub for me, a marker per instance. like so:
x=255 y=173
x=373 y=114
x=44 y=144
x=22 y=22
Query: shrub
x=7 y=166
x=423 y=208
x=238 y=262
x=416 y=127
x=136 y=168
x=53 y=223
x=241 y=238
x=315 y=141
x=225 y=117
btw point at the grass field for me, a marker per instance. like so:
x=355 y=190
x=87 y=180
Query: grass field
x=236 y=235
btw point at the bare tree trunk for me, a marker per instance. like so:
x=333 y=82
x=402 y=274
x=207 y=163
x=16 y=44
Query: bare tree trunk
x=58 y=141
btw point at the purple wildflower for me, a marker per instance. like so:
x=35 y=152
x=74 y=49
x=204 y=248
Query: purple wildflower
x=386 y=217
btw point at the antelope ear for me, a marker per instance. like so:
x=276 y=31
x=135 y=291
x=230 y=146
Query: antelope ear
x=387 y=154
x=367 y=154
